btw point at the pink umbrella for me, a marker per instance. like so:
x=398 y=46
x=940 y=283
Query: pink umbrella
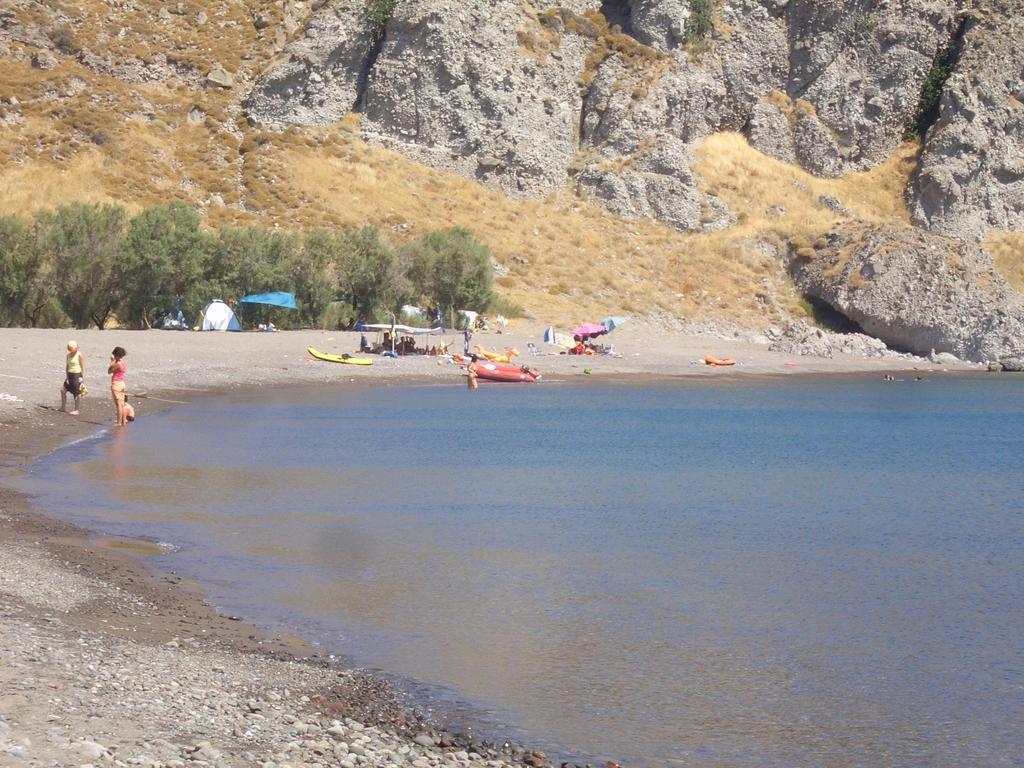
x=589 y=330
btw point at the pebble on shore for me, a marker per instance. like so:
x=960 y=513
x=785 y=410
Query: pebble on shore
x=77 y=696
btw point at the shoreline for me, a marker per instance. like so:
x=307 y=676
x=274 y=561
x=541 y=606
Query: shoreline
x=66 y=588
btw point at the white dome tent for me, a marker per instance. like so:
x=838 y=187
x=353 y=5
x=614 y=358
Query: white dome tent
x=218 y=316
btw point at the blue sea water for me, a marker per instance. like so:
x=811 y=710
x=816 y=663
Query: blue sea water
x=820 y=572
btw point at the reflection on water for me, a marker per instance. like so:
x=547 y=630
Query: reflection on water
x=803 y=574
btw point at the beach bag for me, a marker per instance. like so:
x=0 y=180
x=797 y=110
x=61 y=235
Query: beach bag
x=83 y=390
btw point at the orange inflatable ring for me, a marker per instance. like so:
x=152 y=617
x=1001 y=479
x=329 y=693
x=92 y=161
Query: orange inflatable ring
x=719 y=361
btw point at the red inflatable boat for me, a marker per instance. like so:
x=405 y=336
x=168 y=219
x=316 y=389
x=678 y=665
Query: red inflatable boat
x=505 y=372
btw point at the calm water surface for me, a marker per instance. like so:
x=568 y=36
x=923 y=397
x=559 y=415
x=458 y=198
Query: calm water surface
x=803 y=573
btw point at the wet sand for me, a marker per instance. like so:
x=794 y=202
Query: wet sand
x=103 y=661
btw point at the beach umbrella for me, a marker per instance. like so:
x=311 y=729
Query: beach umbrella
x=589 y=330
x=611 y=323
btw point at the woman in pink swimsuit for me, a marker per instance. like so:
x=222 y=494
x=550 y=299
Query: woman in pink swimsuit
x=117 y=369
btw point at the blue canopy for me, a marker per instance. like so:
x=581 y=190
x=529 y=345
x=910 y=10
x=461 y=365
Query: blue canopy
x=274 y=298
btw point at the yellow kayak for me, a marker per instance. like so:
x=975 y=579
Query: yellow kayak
x=347 y=359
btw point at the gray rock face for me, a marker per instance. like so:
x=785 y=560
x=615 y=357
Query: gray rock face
x=943 y=358
x=754 y=56
x=860 y=67
x=652 y=107
x=660 y=23
x=454 y=86
x=627 y=105
x=524 y=97
x=658 y=184
x=321 y=76
x=971 y=175
x=772 y=128
x=916 y=292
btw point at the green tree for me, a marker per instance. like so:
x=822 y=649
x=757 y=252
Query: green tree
x=368 y=272
x=451 y=268
x=312 y=274
x=249 y=260
x=164 y=261
x=24 y=275
x=252 y=260
x=84 y=244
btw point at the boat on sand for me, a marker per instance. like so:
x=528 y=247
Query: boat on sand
x=504 y=372
x=346 y=359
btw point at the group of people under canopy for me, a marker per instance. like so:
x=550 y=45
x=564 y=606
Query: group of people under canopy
x=403 y=345
x=402 y=340
x=583 y=346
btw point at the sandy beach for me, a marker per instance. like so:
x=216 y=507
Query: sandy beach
x=104 y=662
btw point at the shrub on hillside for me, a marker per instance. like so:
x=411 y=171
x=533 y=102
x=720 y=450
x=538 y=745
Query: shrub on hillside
x=63 y=38
x=379 y=11
x=701 y=20
x=499 y=305
x=930 y=98
x=312 y=275
x=84 y=264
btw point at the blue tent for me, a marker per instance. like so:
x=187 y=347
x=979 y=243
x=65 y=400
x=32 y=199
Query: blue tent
x=274 y=299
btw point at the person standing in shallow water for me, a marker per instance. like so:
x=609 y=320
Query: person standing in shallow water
x=74 y=375
x=471 y=374
x=117 y=369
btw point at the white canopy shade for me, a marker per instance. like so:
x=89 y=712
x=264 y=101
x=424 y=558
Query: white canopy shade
x=406 y=329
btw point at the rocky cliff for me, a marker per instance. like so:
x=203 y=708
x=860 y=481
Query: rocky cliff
x=916 y=292
x=613 y=97
x=971 y=175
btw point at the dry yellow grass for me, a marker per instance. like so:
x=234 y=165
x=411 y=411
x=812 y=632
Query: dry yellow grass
x=87 y=136
x=566 y=258
x=775 y=199
x=25 y=189
x=756 y=184
x=781 y=203
x=1007 y=249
